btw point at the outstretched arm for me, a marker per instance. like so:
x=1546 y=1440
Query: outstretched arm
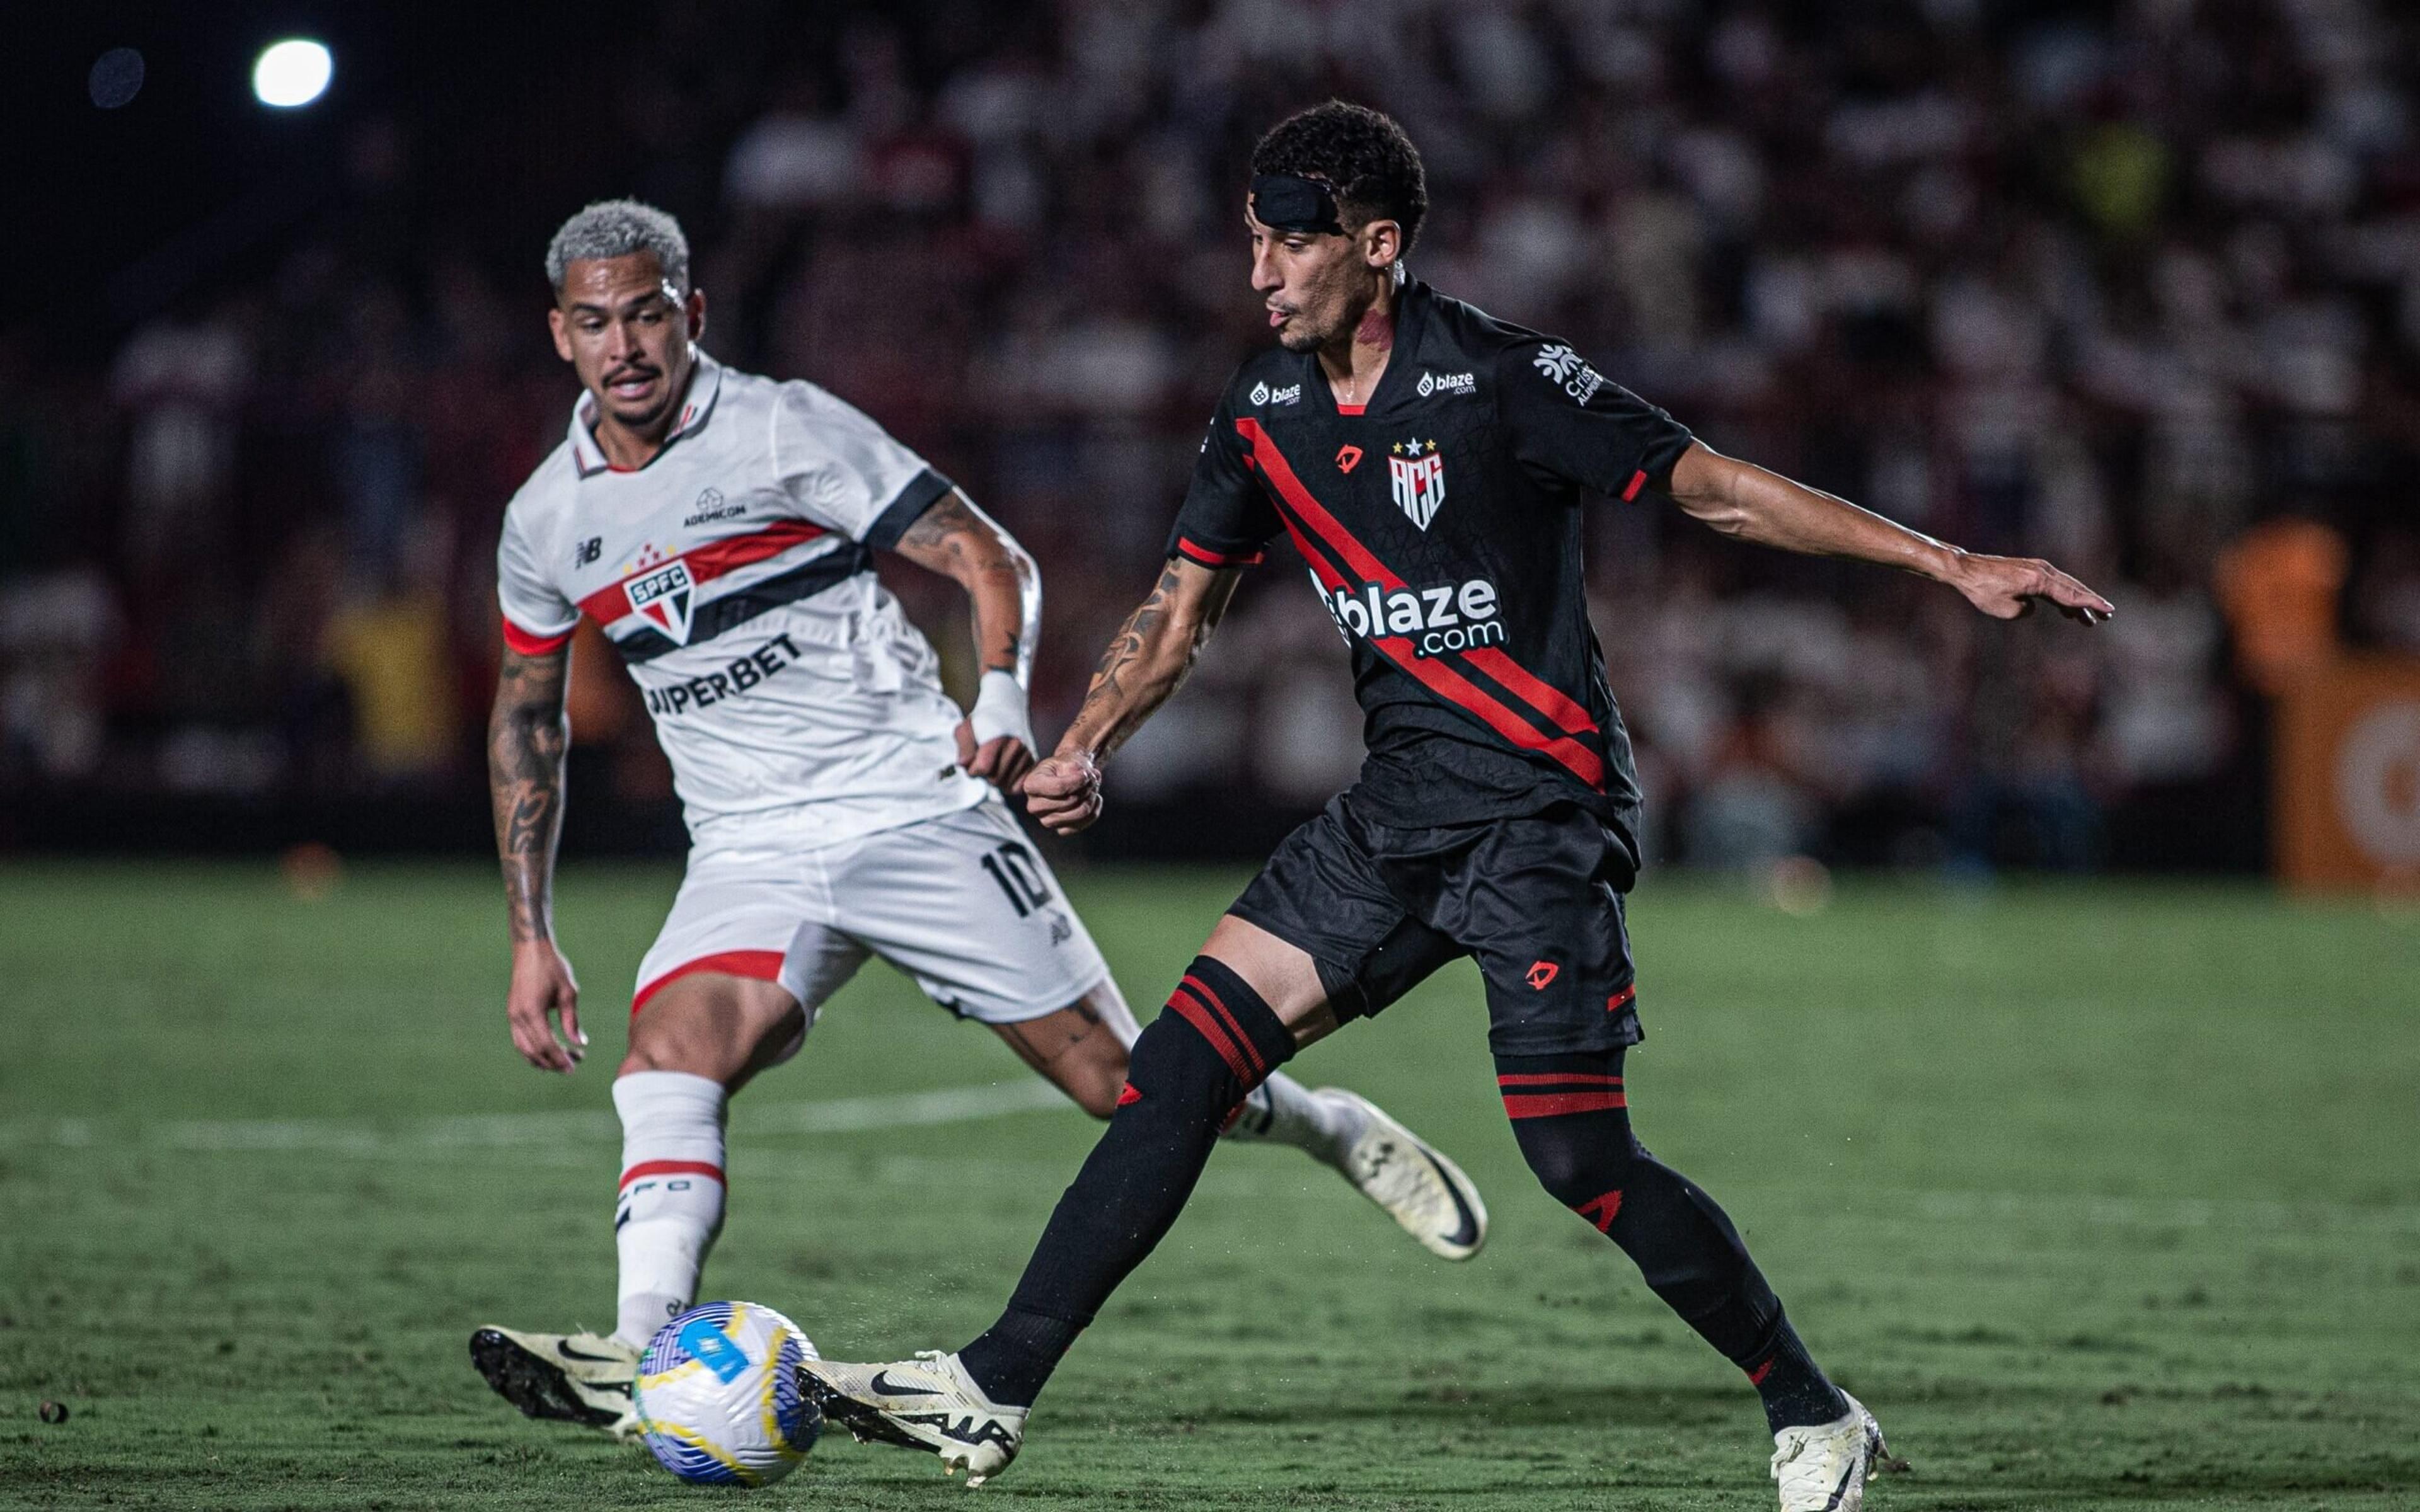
x=1741 y=499
x=1145 y=663
x=966 y=546
x=527 y=736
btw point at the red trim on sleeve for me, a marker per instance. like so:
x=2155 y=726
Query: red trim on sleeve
x=672 y=1168
x=763 y=965
x=1630 y=489
x=526 y=644
x=1194 y=551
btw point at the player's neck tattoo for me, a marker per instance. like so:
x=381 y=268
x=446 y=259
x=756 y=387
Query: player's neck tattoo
x=1376 y=329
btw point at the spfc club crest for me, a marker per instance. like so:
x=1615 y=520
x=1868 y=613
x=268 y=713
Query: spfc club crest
x=664 y=596
x=1418 y=473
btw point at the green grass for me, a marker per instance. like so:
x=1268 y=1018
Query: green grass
x=2103 y=1197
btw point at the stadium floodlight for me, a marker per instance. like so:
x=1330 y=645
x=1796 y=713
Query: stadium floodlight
x=292 y=72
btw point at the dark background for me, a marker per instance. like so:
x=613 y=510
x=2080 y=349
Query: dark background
x=2135 y=286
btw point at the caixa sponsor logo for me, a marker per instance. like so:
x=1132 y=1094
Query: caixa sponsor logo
x=1434 y=620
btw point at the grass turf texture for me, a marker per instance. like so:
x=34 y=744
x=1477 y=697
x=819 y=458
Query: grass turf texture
x=2101 y=1196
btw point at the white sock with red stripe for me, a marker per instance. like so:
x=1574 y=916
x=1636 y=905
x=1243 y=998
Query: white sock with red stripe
x=670 y=1206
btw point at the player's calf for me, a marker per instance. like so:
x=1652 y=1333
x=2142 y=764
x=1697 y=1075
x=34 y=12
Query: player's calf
x=1189 y=1076
x=1571 y=1116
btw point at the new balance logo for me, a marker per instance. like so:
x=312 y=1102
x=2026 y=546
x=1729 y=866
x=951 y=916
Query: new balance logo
x=587 y=552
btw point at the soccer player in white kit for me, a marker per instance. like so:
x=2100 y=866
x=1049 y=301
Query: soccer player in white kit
x=720 y=528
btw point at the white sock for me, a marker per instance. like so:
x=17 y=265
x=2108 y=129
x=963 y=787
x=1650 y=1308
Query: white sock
x=670 y=1206
x=1283 y=1111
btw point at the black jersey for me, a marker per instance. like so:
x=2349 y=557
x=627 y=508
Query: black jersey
x=1441 y=524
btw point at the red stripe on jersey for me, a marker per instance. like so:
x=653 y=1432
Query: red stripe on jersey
x=1195 y=551
x=1555 y=1104
x=1200 y=1018
x=1540 y=695
x=1622 y=1000
x=526 y=644
x=1434 y=675
x=1227 y=1016
x=761 y=965
x=1559 y=1078
x=709 y=561
x=1630 y=489
x=672 y=1168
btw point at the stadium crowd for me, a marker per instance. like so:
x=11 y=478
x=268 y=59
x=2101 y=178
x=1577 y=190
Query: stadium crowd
x=2135 y=286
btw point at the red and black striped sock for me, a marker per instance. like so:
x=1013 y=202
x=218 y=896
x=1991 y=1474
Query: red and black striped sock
x=1571 y=1115
x=1188 y=1074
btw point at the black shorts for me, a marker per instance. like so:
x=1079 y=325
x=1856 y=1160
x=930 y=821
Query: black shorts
x=1536 y=901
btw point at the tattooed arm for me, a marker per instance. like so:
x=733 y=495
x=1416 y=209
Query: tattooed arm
x=963 y=544
x=1145 y=663
x=527 y=735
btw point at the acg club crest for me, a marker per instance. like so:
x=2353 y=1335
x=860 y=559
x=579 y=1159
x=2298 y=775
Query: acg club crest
x=1418 y=473
x=664 y=596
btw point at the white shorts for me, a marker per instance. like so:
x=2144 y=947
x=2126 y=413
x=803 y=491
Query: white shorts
x=960 y=902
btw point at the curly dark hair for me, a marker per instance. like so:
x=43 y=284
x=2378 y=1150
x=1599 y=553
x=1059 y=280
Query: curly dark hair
x=1360 y=154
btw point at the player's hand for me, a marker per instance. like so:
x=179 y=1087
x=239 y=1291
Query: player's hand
x=1064 y=792
x=2008 y=587
x=543 y=990
x=1001 y=761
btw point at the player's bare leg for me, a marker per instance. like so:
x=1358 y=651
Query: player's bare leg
x=1248 y=1002
x=697 y=1040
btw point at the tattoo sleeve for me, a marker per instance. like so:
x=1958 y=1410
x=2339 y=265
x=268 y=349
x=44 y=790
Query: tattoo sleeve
x=527 y=735
x=1149 y=656
x=960 y=541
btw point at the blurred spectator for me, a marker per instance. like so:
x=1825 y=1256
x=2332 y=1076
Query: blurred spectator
x=2093 y=283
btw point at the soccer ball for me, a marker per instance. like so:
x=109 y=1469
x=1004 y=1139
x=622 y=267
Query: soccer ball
x=717 y=1396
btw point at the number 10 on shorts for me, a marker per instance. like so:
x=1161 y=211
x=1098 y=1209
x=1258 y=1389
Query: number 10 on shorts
x=1019 y=876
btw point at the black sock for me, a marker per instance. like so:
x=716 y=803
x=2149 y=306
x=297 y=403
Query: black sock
x=1188 y=1074
x=1572 y=1118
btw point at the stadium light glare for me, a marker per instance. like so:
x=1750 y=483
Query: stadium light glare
x=292 y=73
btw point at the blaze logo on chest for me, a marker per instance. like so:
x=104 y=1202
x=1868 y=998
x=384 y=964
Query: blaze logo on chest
x=1418 y=473
x=664 y=596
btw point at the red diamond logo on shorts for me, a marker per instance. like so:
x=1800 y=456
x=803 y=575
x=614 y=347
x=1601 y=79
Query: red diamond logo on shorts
x=1542 y=972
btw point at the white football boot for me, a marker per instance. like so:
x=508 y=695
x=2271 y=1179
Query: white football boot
x=929 y=1402
x=1825 y=1468
x=572 y=1377
x=1417 y=1185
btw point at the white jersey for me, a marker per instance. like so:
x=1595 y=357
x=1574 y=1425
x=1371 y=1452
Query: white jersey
x=735 y=572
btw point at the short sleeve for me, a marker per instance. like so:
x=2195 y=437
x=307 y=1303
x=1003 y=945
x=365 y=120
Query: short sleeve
x=1565 y=421
x=538 y=620
x=844 y=472
x=1226 y=520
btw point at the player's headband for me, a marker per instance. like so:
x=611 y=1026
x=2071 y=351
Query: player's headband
x=1282 y=202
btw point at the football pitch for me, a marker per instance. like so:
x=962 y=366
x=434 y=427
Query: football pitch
x=2100 y=1195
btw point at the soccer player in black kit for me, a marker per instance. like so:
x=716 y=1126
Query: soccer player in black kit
x=1430 y=463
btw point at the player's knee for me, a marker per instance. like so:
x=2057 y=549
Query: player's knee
x=1576 y=1165
x=1095 y=1086
x=1216 y=1039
